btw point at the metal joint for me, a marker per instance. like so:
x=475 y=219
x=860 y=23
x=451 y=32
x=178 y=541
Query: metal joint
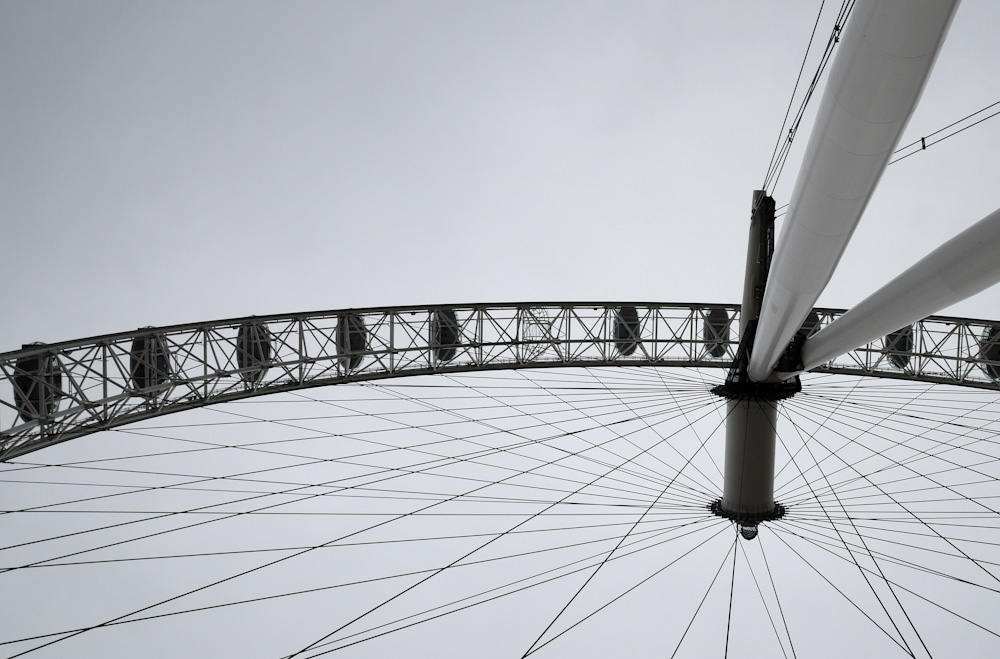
x=739 y=386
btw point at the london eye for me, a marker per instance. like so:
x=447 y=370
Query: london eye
x=618 y=475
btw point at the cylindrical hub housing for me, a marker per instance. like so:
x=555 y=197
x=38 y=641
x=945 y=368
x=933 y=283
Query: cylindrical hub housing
x=749 y=473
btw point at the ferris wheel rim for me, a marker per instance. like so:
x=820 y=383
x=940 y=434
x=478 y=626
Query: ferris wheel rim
x=112 y=380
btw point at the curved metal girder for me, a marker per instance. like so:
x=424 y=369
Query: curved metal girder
x=99 y=392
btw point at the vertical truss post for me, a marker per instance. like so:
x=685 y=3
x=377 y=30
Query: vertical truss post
x=392 y=341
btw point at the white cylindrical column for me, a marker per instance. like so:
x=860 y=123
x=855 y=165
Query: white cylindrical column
x=965 y=265
x=884 y=60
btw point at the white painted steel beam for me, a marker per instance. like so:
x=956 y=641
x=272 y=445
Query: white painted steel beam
x=875 y=81
x=965 y=265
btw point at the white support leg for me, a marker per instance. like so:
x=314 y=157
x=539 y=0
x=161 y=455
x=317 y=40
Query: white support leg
x=965 y=265
x=876 y=79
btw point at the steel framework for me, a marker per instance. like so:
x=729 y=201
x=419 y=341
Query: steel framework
x=53 y=393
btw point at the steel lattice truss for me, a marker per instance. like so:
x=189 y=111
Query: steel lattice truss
x=52 y=393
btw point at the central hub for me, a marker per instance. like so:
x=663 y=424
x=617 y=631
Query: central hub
x=752 y=406
x=747 y=521
x=758 y=391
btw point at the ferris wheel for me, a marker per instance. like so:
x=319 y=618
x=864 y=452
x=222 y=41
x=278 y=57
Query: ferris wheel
x=554 y=478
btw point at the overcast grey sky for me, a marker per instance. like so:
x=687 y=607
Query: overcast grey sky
x=172 y=162
x=175 y=162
